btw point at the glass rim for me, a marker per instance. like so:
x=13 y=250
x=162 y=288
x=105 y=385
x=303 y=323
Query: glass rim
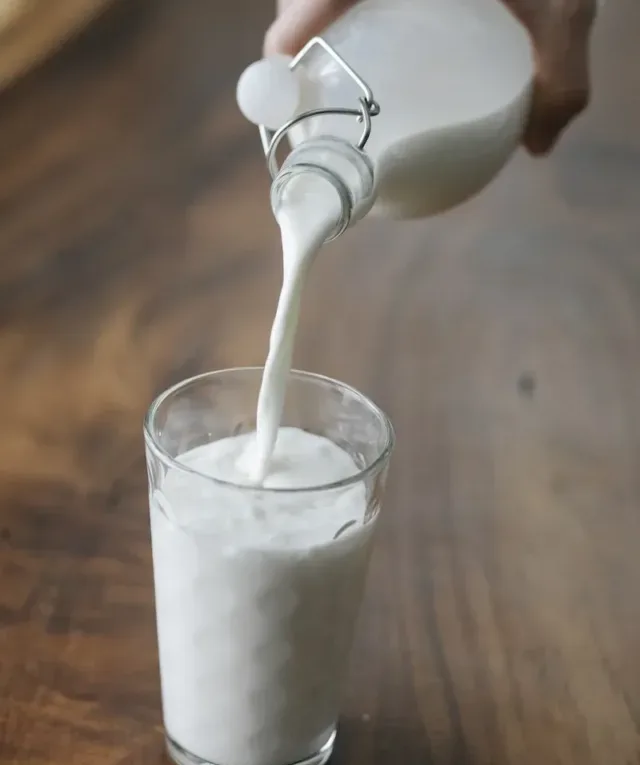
x=361 y=474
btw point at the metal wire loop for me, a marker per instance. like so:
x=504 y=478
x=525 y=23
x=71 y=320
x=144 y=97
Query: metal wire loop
x=368 y=108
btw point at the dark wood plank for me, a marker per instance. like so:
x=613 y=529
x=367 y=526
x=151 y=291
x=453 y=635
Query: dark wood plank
x=502 y=619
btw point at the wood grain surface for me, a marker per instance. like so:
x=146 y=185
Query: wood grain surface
x=31 y=30
x=502 y=620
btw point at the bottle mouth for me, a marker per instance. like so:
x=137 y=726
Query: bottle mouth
x=347 y=170
x=287 y=174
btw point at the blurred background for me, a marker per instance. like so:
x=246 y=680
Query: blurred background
x=137 y=247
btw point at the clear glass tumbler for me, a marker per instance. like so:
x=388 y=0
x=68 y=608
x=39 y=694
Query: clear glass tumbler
x=255 y=620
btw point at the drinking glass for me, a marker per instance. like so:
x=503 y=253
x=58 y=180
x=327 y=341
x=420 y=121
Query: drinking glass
x=255 y=624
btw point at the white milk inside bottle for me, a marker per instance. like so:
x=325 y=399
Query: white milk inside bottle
x=452 y=79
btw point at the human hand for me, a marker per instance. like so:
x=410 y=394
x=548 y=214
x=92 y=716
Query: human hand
x=560 y=30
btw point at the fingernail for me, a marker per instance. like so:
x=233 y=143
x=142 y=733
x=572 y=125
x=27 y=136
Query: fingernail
x=272 y=40
x=540 y=138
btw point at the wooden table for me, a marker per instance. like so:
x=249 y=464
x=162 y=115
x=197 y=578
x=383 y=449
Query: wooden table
x=502 y=621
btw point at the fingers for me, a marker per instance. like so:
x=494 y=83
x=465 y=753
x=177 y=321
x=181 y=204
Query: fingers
x=555 y=104
x=299 y=20
x=561 y=34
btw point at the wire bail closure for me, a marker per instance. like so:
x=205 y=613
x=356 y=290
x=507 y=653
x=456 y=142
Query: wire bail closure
x=368 y=108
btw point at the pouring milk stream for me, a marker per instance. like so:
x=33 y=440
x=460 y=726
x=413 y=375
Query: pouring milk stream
x=405 y=108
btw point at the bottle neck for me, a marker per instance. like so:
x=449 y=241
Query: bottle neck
x=347 y=171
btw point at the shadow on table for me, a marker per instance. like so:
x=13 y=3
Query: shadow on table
x=364 y=741
x=360 y=742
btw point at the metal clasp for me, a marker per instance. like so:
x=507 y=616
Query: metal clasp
x=368 y=108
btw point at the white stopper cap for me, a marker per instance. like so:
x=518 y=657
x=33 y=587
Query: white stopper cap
x=268 y=92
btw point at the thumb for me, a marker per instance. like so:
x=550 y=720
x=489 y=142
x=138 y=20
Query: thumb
x=299 y=21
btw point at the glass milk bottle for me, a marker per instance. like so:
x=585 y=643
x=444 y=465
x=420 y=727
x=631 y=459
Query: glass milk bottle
x=433 y=93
